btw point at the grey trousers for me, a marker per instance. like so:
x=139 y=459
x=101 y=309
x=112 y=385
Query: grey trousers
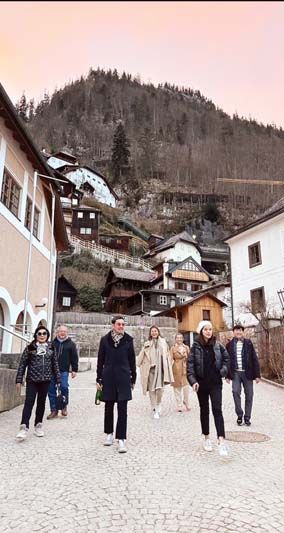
x=240 y=379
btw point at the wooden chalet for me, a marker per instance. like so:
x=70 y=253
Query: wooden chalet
x=66 y=295
x=153 y=301
x=121 y=284
x=204 y=306
x=116 y=241
x=85 y=223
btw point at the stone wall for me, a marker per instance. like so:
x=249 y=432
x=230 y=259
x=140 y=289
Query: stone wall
x=87 y=328
x=9 y=396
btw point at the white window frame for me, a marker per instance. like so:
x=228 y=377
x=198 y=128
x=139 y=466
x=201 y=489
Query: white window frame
x=93 y=215
x=80 y=214
x=163 y=299
x=66 y=299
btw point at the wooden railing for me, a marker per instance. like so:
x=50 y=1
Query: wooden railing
x=108 y=253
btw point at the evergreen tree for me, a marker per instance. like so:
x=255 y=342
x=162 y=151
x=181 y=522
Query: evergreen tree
x=120 y=151
x=31 y=109
x=90 y=298
x=22 y=108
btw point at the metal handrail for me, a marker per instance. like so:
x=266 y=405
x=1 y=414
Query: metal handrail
x=15 y=334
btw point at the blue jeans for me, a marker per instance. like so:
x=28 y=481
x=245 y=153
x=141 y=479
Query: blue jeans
x=64 y=390
x=240 y=379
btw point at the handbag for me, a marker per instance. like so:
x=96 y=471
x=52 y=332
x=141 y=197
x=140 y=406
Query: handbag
x=61 y=400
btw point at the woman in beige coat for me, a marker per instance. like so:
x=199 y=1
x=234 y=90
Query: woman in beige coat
x=155 y=368
x=179 y=354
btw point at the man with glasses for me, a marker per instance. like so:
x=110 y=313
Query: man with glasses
x=68 y=362
x=116 y=377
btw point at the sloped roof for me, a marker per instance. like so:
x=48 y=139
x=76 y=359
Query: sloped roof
x=273 y=211
x=192 y=301
x=170 y=242
x=138 y=275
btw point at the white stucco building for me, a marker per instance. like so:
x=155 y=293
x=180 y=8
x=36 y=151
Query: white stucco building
x=82 y=176
x=257 y=265
x=176 y=248
x=22 y=295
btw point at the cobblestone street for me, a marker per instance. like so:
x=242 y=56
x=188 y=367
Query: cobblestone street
x=69 y=481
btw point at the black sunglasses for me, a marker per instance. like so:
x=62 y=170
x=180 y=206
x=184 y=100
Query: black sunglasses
x=41 y=333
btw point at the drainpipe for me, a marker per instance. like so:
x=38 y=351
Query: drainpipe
x=231 y=289
x=142 y=306
x=29 y=254
x=50 y=292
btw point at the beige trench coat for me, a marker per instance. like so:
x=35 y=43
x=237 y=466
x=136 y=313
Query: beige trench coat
x=143 y=361
x=179 y=360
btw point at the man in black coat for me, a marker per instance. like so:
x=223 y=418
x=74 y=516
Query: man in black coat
x=244 y=369
x=116 y=377
x=68 y=362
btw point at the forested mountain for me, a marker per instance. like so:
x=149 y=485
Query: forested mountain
x=175 y=140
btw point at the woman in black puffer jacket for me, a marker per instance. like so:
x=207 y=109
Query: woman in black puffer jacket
x=207 y=364
x=40 y=360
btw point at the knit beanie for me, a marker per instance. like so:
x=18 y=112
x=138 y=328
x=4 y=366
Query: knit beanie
x=202 y=324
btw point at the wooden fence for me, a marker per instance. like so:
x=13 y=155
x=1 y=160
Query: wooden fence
x=104 y=253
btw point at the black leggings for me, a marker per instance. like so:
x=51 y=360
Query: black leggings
x=215 y=394
x=121 y=426
x=35 y=389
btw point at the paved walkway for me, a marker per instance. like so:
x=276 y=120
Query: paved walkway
x=68 y=481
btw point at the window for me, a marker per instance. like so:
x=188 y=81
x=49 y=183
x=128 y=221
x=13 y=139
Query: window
x=66 y=301
x=254 y=255
x=92 y=215
x=163 y=300
x=28 y=218
x=10 y=194
x=257 y=300
x=80 y=214
x=74 y=201
x=85 y=231
x=182 y=299
x=205 y=314
x=180 y=285
x=196 y=287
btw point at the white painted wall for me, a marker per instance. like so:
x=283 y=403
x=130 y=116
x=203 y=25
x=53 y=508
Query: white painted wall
x=179 y=252
x=270 y=274
x=102 y=192
x=224 y=294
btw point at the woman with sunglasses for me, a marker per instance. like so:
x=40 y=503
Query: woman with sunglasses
x=40 y=360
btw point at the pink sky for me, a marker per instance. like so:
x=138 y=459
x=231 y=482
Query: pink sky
x=231 y=51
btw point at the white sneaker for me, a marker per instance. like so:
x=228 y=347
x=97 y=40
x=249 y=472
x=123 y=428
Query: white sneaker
x=38 y=430
x=109 y=440
x=207 y=445
x=22 y=435
x=156 y=415
x=223 y=450
x=159 y=409
x=121 y=446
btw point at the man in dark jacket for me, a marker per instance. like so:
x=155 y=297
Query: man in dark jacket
x=116 y=377
x=244 y=369
x=68 y=362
